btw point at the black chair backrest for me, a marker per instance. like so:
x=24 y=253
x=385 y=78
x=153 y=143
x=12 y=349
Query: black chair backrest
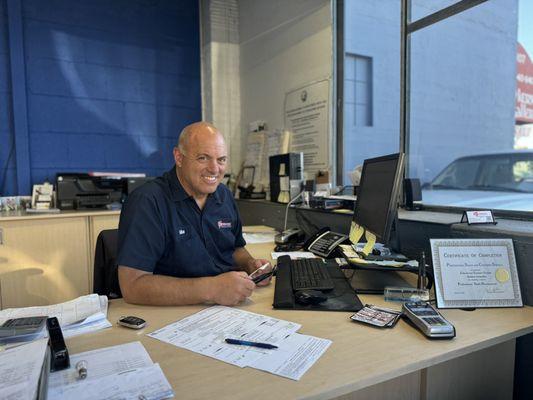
x=105 y=265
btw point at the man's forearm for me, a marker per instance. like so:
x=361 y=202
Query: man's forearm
x=161 y=290
x=244 y=260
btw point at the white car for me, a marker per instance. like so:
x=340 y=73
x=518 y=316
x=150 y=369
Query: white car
x=501 y=181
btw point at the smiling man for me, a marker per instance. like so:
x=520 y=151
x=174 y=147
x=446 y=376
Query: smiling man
x=180 y=236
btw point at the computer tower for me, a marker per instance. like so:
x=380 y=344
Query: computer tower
x=294 y=167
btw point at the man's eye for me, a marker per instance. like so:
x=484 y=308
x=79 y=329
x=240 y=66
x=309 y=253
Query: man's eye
x=202 y=158
x=222 y=160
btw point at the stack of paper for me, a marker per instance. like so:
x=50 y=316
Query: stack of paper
x=82 y=315
x=205 y=333
x=20 y=368
x=117 y=372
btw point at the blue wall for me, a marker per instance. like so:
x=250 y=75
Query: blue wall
x=109 y=85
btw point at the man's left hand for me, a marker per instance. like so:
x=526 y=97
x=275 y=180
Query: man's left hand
x=257 y=263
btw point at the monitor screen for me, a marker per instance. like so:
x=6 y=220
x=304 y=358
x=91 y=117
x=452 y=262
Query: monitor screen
x=377 y=197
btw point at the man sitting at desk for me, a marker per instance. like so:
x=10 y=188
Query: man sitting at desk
x=180 y=236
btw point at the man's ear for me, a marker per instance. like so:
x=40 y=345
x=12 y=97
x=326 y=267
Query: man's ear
x=178 y=157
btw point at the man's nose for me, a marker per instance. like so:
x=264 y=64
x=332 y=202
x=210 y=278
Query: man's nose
x=212 y=164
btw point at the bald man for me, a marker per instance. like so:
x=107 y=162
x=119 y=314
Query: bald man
x=180 y=235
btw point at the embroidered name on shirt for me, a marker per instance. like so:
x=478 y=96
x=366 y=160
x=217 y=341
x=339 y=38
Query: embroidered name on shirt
x=224 y=225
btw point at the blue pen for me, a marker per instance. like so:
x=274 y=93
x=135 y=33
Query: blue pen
x=253 y=344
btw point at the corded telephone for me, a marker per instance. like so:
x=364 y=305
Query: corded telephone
x=324 y=242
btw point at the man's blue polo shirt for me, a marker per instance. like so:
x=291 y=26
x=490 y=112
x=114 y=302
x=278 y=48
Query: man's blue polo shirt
x=162 y=230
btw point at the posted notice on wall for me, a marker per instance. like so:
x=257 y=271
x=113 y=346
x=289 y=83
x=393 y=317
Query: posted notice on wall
x=307 y=118
x=475 y=273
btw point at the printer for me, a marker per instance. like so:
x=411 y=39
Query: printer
x=82 y=191
x=76 y=191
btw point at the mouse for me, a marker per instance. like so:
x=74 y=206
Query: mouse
x=309 y=297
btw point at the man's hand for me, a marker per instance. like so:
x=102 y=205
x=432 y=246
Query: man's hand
x=231 y=288
x=257 y=263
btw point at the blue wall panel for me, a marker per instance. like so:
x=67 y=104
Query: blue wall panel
x=110 y=84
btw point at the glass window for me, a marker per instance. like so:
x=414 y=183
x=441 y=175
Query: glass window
x=371 y=100
x=469 y=132
x=467 y=99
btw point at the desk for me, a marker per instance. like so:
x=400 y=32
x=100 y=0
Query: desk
x=48 y=258
x=362 y=362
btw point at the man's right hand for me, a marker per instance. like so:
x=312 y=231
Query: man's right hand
x=231 y=288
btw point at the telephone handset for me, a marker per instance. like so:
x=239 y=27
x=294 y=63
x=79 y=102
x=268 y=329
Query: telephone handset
x=324 y=242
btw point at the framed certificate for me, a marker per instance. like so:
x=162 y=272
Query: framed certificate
x=475 y=273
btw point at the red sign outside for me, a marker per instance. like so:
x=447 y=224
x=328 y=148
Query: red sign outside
x=524 y=87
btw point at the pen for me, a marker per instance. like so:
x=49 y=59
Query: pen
x=253 y=344
x=81 y=369
x=419 y=280
x=424 y=282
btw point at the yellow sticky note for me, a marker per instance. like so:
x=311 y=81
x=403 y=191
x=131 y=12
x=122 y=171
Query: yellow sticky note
x=356 y=233
x=370 y=242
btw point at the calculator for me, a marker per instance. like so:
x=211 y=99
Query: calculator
x=426 y=318
x=22 y=326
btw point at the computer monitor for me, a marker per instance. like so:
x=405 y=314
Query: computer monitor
x=377 y=196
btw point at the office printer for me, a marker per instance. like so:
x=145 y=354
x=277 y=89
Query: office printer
x=81 y=191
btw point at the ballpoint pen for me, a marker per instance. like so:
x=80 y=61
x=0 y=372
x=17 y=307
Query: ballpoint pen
x=253 y=344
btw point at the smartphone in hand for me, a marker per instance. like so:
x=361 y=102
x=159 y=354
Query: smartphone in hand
x=261 y=273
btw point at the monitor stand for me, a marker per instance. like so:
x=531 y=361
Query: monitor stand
x=374 y=282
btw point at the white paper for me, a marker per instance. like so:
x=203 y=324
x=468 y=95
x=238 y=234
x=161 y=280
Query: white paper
x=90 y=324
x=255 y=143
x=142 y=383
x=102 y=362
x=306 y=114
x=294 y=357
x=205 y=332
x=67 y=313
x=259 y=237
x=20 y=368
x=294 y=255
x=276 y=142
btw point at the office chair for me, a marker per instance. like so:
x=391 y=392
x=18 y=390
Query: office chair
x=105 y=265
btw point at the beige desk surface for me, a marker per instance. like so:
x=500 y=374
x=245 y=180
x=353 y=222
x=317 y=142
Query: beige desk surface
x=360 y=356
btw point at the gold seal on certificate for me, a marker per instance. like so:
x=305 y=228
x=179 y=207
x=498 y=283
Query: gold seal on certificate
x=475 y=273
x=502 y=275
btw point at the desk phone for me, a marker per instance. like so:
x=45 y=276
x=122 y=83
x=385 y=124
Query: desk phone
x=325 y=242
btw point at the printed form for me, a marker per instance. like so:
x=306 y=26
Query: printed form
x=123 y=371
x=205 y=333
x=20 y=368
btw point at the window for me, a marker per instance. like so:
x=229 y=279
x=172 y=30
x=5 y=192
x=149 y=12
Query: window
x=468 y=134
x=358 y=89
x=371 y=82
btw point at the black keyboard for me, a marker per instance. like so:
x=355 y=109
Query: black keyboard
x=310 y=274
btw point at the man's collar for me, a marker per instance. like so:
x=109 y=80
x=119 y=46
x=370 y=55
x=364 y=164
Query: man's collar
x=179 y=193
x=176 y=189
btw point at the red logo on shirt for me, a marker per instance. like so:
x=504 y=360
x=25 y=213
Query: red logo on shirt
x=224 y=225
